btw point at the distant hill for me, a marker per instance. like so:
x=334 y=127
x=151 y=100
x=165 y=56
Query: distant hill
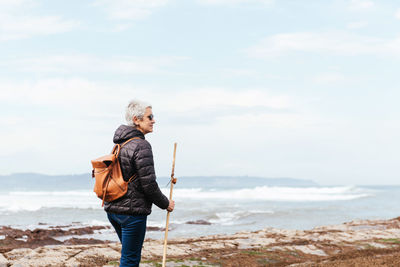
x=42 y=182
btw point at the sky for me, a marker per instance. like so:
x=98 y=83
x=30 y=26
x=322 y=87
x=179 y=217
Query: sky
x=268 y=88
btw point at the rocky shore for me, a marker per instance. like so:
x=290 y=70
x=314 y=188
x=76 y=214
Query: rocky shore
x=357 y=243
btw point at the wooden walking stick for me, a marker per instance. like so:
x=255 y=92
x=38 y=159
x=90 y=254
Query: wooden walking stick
x=173 y=181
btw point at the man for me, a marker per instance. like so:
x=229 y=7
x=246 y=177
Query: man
x=128 y=214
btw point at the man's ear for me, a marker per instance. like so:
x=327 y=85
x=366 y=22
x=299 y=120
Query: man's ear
x=135 y=120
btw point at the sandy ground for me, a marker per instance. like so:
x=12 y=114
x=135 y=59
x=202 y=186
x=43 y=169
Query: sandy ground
x=357 y=243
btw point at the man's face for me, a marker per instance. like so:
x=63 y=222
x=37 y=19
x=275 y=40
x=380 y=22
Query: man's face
x=145 y=125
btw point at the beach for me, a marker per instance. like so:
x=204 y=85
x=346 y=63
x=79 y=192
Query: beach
x=227 y=205
x=267 y=131
x=355 y=243
x=218 y=221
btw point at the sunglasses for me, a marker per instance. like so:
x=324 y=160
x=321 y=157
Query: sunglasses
x=151 y=117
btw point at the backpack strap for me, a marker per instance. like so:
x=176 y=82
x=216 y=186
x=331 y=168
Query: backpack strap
x=124 y=143
x=105 y=191
x=117 y=147
x=132 y=178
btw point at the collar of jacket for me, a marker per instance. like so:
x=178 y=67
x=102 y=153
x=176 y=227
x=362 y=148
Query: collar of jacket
x=126 y=132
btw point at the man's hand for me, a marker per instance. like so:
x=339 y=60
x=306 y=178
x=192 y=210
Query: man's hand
x=171 y=206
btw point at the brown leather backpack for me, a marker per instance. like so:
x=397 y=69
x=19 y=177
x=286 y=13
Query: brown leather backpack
x=110 y=184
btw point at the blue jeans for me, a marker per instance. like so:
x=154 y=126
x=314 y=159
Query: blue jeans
x=130 y=230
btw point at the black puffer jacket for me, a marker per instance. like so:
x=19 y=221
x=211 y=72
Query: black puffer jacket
x=136 y=157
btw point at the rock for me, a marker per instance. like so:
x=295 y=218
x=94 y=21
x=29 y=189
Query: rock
x=201 y=222
x=82 y=241
x=18 y=253
x=107 y=253
x=310 y=249
x=3 y=261
x=155 y=228
x=377 y=245
x=43 y=257
x=17 y=238
x=93 y=256
x=268 y=246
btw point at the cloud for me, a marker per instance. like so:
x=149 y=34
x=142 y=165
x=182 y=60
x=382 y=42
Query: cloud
x=129 y=9
x=16 y=22
x=41 y=118
x=121 y=27
x=361 y=4
x=11 y=5
x=105 y=101
x=68 y=100
x=397 y=14
x=22 y=27
x=234 y=2
x=76 y=93
x=357 y=25
x=220 y=98
x=264 y=121
x=83 y=64
x=215 y=106
x=329 y=78
x=334 y=43
x=81 y=94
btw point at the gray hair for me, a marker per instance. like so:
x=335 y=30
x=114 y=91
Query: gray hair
x=135 y=108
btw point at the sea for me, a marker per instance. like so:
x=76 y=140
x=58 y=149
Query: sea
x=204 y=205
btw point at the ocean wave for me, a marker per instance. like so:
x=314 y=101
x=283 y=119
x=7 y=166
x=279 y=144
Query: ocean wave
x=230 y=218
x=16 y=201
x=160 y=223
x=276 y=193
x=52 y=193
x=97 y=223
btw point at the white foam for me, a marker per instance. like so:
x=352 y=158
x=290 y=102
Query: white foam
x=16 y=201
x=232 y=217
x=276 y=193
x=261 y=212
x=97 y=223
x=226 y=218
x=156 y=224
